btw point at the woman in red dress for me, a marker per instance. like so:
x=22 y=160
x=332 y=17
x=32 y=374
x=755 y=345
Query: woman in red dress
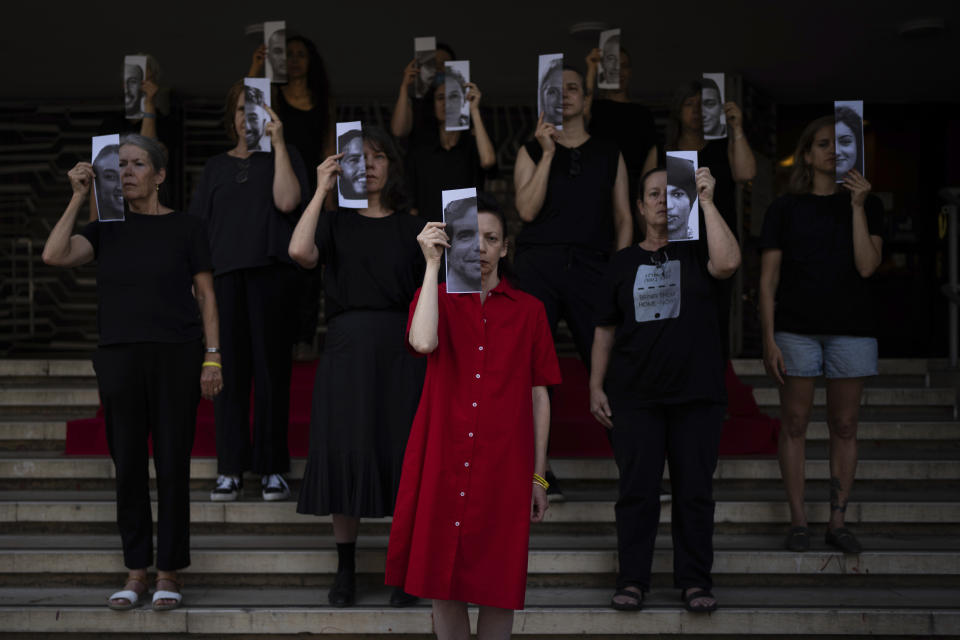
x=461 y=524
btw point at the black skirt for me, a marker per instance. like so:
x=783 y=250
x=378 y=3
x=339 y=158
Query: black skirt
x=365 y=396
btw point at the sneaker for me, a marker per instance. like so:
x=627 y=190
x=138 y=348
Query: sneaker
x=274 y=487
x=228 y=488
x=553 y=493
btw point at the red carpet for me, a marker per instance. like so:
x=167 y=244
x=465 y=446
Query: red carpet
x=574 y=433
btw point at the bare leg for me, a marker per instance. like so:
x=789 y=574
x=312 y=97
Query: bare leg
x=494 y=623
x=345 y=528
x=796 y=398
x=843 y=411
x=450 y=620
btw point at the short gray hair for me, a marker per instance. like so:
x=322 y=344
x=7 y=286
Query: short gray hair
x=155 y=149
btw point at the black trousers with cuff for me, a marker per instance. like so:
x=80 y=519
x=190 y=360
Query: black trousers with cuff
x=687 y=437
x=257 y=326
x=151 y=390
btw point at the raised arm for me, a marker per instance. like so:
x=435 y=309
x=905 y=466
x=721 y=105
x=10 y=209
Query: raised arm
x=593 y=63
x=743 y=164
x=286 y=187
x=531 y=179
x=211 y=376
x=622 y=220
x=722 y=248
x=256 y=62
x=426 y=316
x=148 y=125
x=488 y=156
x=770 y=261
x=599 y=360
x=867 y=249
x=303 y=245
x=401 y=122
x=63 y=247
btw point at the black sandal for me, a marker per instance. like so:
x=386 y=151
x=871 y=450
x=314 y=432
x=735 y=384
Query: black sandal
x=843 y=539
x=627 y=606
x=688 y=599
x=798 y=539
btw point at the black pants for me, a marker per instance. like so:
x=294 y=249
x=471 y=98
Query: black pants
x=688 y=437
x=565 y=280
x=257 y=323
x=151 y=389
x=309 y=289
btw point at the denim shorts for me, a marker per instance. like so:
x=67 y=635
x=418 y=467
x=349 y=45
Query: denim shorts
x=808 y=356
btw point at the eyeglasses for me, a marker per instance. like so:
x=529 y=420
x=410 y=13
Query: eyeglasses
x=575 y=167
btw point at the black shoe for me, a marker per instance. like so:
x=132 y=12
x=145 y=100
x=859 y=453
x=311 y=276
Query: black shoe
x=798 y=539
x=227 y=489
x=400 y=598
x=554 y=494
x=343 y=593
x=843 y=539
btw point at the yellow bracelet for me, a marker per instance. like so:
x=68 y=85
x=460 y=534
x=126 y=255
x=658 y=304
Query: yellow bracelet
x=210 y=363
x=540 y=480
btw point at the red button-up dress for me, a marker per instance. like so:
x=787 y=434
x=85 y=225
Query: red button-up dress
x=461 y=525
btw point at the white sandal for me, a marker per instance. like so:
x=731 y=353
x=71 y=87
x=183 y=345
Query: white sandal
x=167 y=595
x=133 y=599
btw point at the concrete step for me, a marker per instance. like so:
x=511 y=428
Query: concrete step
x=886 y=366
x=551 y=613
x=46 y=368
x=50 y=397
x=873 y=397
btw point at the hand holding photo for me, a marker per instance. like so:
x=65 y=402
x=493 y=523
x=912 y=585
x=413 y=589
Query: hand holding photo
x=550 y=89
x=608 y=76
x=683 y=212
x=275 y=39
x=256 y=97
x=848 y=139
x=107 y=187
x=464 y=258
x=352 y=181
x=456 y=108
x=134 y=73
x=425 y=52
x=711 y=100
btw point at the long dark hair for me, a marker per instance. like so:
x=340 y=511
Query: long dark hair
x=801 y=175
x=393 y=196
x=674 y=125
x=317 y=80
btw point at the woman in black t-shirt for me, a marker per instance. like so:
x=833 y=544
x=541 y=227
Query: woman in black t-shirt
x=149 y=356
x=820 y=243
x=656 y=382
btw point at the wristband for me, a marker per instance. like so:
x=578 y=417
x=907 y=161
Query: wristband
x=210 y=363
x=540 y=480
x=148 y=115
x=213 y=349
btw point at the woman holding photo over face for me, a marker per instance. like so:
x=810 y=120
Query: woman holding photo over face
x=473 y=471
x=820 y=243
x=656 y=382
x=156 y=309
x=412 y=117
x=249 y=201
x=367 y=385
x=849 y=140
x=452 y=159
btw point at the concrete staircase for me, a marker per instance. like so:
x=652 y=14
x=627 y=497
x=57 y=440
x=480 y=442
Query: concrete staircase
x=260 y=570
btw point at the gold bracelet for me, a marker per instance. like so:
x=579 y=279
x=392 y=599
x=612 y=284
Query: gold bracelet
x=211 y=363
x=540 y=480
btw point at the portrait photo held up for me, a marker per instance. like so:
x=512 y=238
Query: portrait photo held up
x=107 y=186
x=464 y=257
x=683 y=203
x=848 y=140
x=456 y=108
x=711 y=94
x=352 y=181
x=425 y=53
x=275 y=39
x=550 y=89
x=134 y=73
x=256 y=99
x=608 y=76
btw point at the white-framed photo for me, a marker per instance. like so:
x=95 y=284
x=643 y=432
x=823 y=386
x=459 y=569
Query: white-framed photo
x=711 y=102
x=683 y=210
x=463 y=258
x=134 y=73
x=352 y=181
x=550 y=88
x=275 y=39
x=256 y=98
x=107 y=185
x=425 y=52
x=456 y=75
x=848 y=139
x=608 y=75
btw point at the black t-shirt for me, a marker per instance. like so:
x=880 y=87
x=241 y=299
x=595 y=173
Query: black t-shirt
x=667 y=343
x=714 y=157
x=630 y=126
x=307 y=131
x=820 y=289
x=235 y=199
x=432 y=169
x=577 y=209
x=370 y=263
x=145 y=269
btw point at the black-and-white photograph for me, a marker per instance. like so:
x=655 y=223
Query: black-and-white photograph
x=711 y=101
x=134 y=73
x=352 y=181
x=107 y=186
x=683 y=219
x=456 y=75
x=464 y=257
x=608 y=75
x=275 y=39
x=256 y=97
x=425 y=52
x=848 y=140
x=550 y=88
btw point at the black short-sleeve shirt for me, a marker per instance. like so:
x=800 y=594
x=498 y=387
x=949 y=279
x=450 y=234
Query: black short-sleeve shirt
x=820 y=289
x=578 y=207
x=432 y=169
x=667 y=343
x=629 y=125
x=145 y=269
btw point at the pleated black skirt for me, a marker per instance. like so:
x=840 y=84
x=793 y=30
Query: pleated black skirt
x=365 y=397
